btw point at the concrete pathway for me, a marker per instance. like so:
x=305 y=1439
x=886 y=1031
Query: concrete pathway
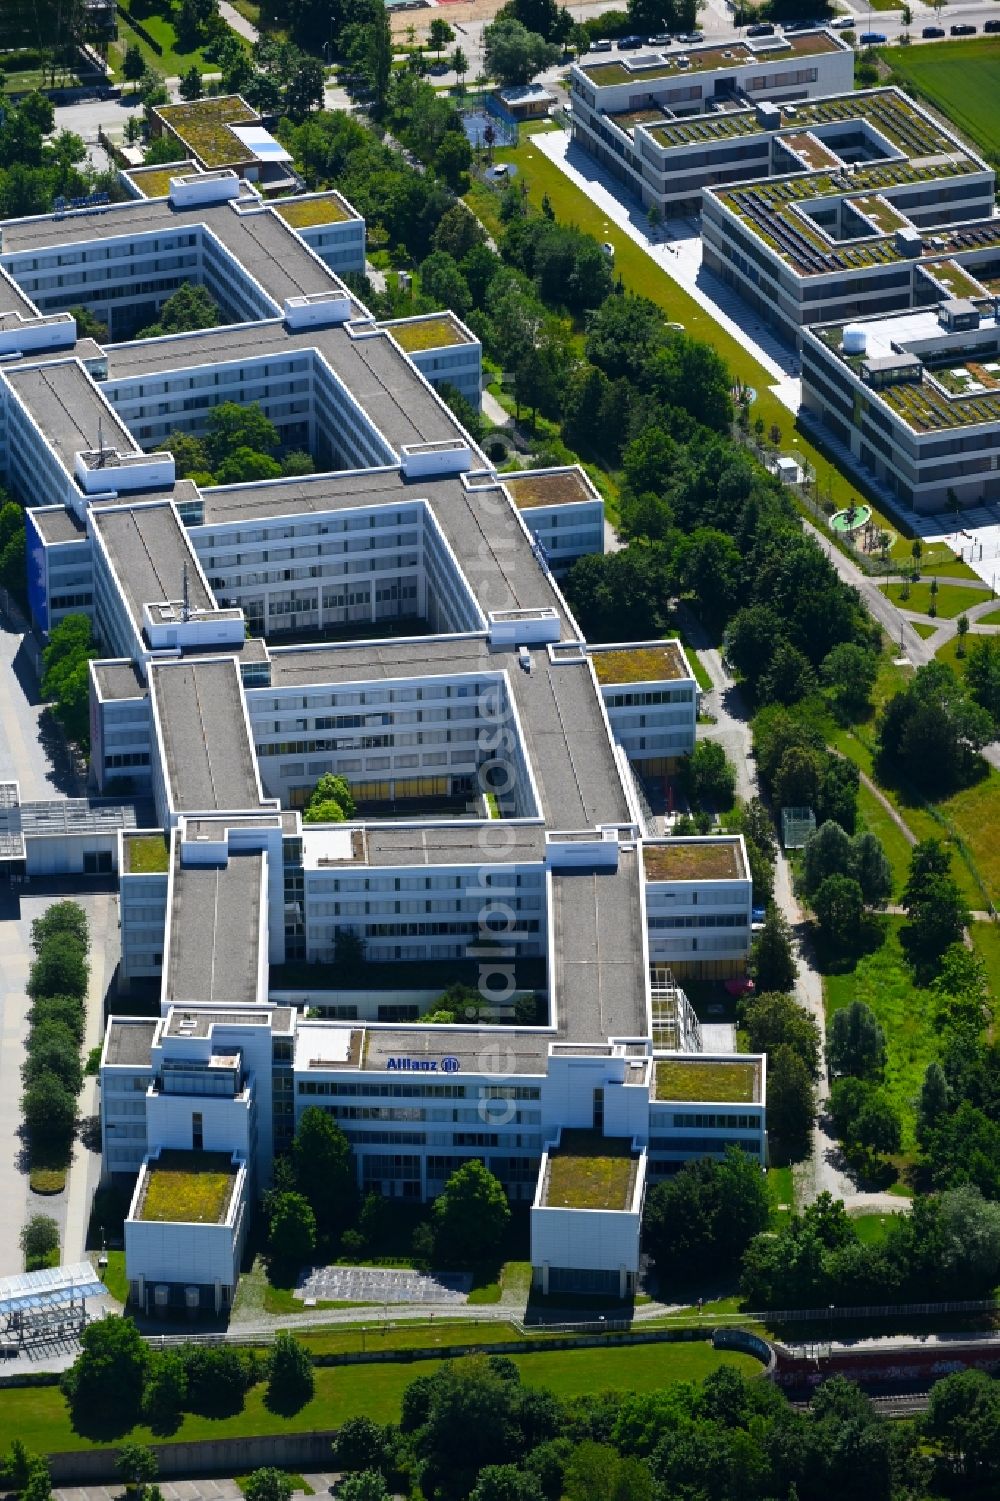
x=209 y=1488
x=85 y=1169
x=240 y=24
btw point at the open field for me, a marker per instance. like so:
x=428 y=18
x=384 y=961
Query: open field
x=40 y=1417
x=884 y=982
x=961 y=78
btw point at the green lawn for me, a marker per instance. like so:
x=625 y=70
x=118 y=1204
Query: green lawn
x=986 y=942
x=961 y=78
x=922 y=630
x=114 y=1278
x=950 y=600
x=992 y=617
x=40 y=1417
x=871 y=1228
x=873 y=817
x=781 y=1190
x=974 y=814
x=884 y=982
x=171 y=61
x=639 y=273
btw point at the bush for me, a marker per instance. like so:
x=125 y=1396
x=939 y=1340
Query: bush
x=39 y=1242
x=290 y=1380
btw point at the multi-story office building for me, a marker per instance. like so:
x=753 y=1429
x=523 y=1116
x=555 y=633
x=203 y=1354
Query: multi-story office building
x=624 y=109
x=916 y=398
x=393 y=618
x=817 y=209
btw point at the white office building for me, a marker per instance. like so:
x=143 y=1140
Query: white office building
x=393 y=618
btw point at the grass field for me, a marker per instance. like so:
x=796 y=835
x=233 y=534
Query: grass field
x=974 y=815
x=170 y=61
x=873 y=817
x=962 y=79
x=871 y=1228
x=950 y=600
x=639 y=273
x=40 y=1417
x=986 y=942
x=884 y=982
x=781 y=1190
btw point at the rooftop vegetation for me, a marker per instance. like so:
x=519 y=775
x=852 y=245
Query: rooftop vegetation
x=696 y=1079
x=543 y=489
x=693 y=860
x=155 y=181
x=590 y=1171
x=146 y=854
x=709 y=59
x=427 y=333
x=188 y=1188
x=301 y=213
x=640 y=664
x=203 y=126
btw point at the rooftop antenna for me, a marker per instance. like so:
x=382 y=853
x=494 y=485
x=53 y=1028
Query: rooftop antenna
x=186 y=610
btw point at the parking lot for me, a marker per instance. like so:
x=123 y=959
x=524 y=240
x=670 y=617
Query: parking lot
x=367 y=1284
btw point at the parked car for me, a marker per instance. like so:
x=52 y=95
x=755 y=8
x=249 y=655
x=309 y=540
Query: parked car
x=842 y=23
x=603 y=45
x=629 y=43
x=964 y=28
x=872 y=38
x=662 y=40
x=761 y=28
x=692 y=36
x=991 y=26
x=930 y=32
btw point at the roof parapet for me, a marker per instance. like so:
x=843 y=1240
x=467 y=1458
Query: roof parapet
x=523 y=627
x=21 y=335
x=200 y=188
x=318 y=309
x=104 y=471
x=422 y=460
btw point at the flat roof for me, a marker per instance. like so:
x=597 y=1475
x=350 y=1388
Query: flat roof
x=711 y=57
x=199 y=1023
x=709 y=859
x=318 y=208
x=547 y=487
x=426 y=331
x=215 y=932
x=149 y=551
x=958 y=385
x=478 y=1050
x=597 y=946
x=434 y=844
x=65 y=403
x=640 y=664
x=713 y=1080
x=119 y=679
x=130 y=1041
x=210 y=761
x=187 y=1188
x=59 y=524
x=590 y=1171
x=203 y=126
